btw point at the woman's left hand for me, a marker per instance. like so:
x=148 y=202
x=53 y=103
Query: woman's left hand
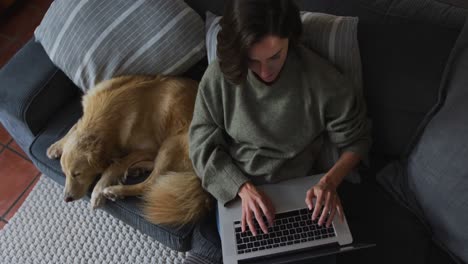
x=326 y=196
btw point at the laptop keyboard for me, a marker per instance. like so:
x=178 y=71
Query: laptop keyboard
x=293 y=227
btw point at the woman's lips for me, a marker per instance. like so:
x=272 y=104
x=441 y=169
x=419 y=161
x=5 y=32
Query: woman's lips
x=269 y=77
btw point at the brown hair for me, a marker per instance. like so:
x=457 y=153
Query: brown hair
x=246 y=22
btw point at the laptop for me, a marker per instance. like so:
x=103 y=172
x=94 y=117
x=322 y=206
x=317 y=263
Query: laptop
x=293 y=237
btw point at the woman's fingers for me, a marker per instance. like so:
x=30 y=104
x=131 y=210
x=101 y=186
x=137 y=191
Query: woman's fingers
x=339 y=208
x=332 y=212
x=329 y=202
x=272 y=212
x=259 y=217
x=250 y=221
x=268 y=211
x=309 y=200
x=318 y=205
x=256 y=204
x=243 y=219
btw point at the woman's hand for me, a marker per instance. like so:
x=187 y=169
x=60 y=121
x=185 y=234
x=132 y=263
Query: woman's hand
x=255 y=203
x=326 y=195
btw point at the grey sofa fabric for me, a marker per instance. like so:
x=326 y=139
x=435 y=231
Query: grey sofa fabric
x=403 y=64
x=433 y=180
x=437 y=173
x=436 y=12
x=29 y=81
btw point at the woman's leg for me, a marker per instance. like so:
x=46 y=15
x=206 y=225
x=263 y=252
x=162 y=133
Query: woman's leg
x=324 y=260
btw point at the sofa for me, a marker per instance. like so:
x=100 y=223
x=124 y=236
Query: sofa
x=404 y=45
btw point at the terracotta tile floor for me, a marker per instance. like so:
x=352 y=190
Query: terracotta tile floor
x=18 y=176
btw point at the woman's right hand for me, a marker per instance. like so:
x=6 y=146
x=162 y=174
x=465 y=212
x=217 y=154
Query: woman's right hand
x=255 y=203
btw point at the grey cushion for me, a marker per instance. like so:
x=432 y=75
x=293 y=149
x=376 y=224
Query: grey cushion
x=95 y=40
x=433 y=181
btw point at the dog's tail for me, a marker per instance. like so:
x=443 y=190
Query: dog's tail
x=176 y=199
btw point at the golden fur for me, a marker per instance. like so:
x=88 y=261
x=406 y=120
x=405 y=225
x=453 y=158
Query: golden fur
x=134 y=123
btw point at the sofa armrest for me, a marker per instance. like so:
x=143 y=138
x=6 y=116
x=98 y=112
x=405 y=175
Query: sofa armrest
x=32 y=89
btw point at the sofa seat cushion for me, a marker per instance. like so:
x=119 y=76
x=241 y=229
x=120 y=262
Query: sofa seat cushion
x=126 y=210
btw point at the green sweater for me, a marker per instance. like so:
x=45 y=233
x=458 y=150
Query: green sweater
x=267 y=133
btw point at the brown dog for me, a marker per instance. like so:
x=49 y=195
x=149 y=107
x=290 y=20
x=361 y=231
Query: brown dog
x=135 y=122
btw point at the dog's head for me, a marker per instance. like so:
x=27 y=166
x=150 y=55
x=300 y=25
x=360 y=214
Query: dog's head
x=82 y=162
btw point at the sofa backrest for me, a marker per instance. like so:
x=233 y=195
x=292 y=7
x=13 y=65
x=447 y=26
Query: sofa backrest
x=448 y=12
x=404 y=47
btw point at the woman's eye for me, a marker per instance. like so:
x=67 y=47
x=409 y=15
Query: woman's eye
x=277 y=56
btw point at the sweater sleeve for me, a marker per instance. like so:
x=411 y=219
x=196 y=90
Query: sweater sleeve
x=208 y=145
x=345 y=117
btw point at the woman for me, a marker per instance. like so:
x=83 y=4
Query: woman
x=263 y=110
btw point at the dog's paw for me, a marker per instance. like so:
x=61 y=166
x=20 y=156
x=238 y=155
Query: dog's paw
x=54 y=151
x=97 y=200
x=110 y=194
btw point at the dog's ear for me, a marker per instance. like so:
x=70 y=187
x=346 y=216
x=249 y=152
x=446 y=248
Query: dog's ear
x=93 y=148
x=90 y=142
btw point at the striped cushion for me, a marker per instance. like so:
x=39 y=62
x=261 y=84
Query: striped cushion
x=94 y=40
x=332 y=37
x=212 y=28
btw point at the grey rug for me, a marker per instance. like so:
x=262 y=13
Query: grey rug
x=47 y=230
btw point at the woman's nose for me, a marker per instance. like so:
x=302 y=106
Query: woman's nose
x=264 y=71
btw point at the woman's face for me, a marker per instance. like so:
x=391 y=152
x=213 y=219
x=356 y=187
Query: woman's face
x=267 y=57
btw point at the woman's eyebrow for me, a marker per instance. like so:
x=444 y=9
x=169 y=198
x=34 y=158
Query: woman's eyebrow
x=277 y=53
